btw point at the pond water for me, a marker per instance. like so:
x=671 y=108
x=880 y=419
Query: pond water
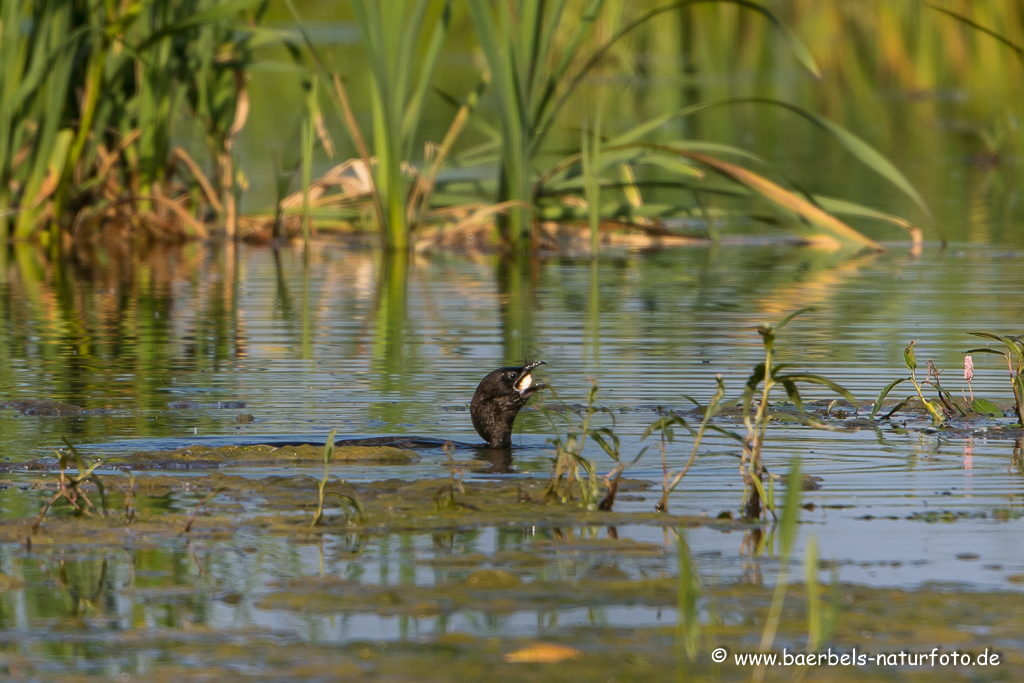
x=181 y=347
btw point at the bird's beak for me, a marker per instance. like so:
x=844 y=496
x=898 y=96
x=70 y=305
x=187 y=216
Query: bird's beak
x=524 y=384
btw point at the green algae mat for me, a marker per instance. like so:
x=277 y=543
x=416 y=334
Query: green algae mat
x=218 y=573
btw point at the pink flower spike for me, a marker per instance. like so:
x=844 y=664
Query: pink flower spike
x=968 y=368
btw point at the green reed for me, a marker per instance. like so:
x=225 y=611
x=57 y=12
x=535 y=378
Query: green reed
x=90 y=91
x=403 y=40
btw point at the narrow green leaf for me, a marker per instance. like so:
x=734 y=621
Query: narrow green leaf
x=994 y=352
x=329 y=447
x=735 y=436
x=865 y=153
x=825 y=382
x=211 y=14
x=608 y=440
x=756 y=377
x=813 y=588
x=885 y=392
x=793 y=393
x=1017 y=49
x=1014 y=346
x=832 y=233
x=785 y=321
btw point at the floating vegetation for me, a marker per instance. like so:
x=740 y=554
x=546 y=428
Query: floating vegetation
x=946 y=405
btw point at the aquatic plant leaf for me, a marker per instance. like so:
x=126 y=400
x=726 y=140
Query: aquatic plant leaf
x=736 y=436
x=609 y=445
x=1014 y=346
x=793 y=393
x=985 y=349
x=985 y=407
x=848 y=208
x=986 y=335
x=910 y=358
x=354 y=503
x=664 y=424
x=756 y=377
x=864 y=152
x=885 y=392
x=214 y=12
x=329 y=447
x=825 y=382
x=785 y=321
x=547 y=121
x=898 y=407
x=759 y=486
x=688 y=624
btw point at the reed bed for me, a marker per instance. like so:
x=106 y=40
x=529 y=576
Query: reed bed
x=92 y=92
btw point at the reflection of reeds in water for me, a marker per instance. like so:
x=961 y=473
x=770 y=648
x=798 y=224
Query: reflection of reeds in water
x=108 y=329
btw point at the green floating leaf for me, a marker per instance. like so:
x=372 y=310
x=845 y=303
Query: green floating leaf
x=985 y=407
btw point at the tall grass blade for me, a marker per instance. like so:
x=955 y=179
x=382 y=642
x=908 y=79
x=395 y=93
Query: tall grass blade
x=836 y=233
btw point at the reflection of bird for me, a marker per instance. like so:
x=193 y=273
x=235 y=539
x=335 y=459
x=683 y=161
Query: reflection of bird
x=497 y=401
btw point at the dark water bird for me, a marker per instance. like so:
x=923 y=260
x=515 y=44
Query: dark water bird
x=496 y=402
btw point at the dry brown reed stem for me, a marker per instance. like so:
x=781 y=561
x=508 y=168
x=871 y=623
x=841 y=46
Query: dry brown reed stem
x=425 y=186
x=357 y=137
x=179 y=154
